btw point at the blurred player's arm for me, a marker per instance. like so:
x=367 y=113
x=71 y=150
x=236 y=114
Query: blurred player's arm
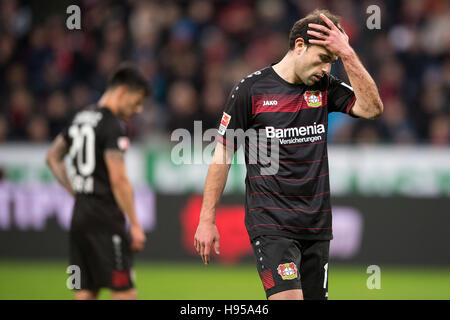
x=55 y=161
x=123 y=193
x=368 y=103
x=207 y=233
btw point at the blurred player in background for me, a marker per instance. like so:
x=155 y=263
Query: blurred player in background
x=288 y=215
x=95 y=142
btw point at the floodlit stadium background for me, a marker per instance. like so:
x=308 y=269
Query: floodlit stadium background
x=390 y=178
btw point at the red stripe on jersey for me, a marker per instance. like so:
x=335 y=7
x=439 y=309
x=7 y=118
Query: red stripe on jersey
x=324 y=123
x=267 y=279
x=282 y=103
x=350 y=105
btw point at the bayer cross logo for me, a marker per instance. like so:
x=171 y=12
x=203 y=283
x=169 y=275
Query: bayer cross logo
x=289 y=271
x=313 y=99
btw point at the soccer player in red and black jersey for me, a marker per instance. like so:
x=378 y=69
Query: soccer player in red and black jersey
x=95 y=142
x=288 y=214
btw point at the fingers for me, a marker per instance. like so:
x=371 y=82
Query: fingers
x=327 y=21
x=318 y=42
x=217 y=246
x=196 y=246
x=318 y=35
x=319 y=27
x=205 y=252
x=137 y=246
x=138 y=239
x=205 y=236
x=203 y=248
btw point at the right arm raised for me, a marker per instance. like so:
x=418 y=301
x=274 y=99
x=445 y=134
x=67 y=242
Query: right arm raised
x=207 y=233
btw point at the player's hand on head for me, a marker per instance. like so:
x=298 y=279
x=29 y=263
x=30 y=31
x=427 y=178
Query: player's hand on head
x=330 y=37
x=138 y=238
x=206 y=236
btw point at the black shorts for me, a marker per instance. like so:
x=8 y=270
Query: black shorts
x=104 y=260
x=285 y=264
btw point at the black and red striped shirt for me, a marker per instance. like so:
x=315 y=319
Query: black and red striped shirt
x=295 y=201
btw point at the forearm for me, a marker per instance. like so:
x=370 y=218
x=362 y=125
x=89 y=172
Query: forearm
x=123 y=193
x=58 y=167
x=366 y=92
x=216 y=180
x=55 y=161
x=214 y=186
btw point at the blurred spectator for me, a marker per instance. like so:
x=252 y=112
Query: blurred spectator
x=213 y=100
x=13 y=18
x=80 y=96
x=20 y=109
x=57 y=110
x=38 y=129
x=183 y=103
x=440 y=131
x=366 y=133
x=3 y=129
x=397 y=125
x=193 y=52
x=7 y=46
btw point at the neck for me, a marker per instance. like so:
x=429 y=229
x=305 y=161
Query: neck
x=286 y=69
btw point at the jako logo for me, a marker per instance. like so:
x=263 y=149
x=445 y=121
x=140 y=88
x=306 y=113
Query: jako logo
x=270 y=103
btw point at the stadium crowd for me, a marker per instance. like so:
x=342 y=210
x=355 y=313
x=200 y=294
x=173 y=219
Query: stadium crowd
x=193 y=52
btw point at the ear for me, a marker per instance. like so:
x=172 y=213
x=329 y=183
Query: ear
x=300 y=45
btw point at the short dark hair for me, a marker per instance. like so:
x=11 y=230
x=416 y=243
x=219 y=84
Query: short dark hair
x=127 y=74
x=300 y=28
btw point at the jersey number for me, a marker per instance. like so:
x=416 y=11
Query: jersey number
x=83 y=143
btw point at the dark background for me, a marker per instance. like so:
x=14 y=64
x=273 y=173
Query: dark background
x=395 y=231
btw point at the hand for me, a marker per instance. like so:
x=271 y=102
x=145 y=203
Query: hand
x=137 y=238
x=206 y=235
x=334 y=40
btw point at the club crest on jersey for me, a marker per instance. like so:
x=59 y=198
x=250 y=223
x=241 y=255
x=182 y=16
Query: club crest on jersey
x=123 y=143
x=287 y=271
x=224 y=123
x=313 y=98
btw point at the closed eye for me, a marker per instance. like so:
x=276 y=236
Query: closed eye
x=326 y=59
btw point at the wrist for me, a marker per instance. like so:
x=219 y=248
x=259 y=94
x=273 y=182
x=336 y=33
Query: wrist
x=347 y=54
x=135 y=224
x=207 y=218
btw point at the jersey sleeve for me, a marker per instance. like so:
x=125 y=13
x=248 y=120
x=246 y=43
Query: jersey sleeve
x=341 y=97
x=235 y=117
x=113 y=135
